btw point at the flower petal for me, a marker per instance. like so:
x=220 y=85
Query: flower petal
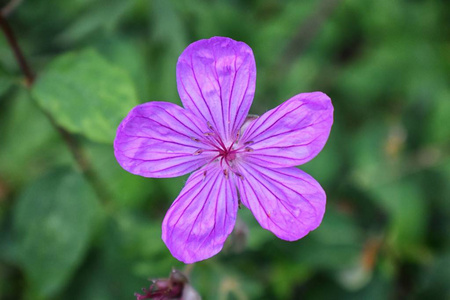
x=161 y=139
x=292 y=133
x=201 y=218
x=286 y=201
x=216 y=81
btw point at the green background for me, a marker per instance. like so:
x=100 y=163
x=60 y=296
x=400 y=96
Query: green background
x=92 y=231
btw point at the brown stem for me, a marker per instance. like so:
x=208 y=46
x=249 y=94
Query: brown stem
x=17 y=51
x=82 y=161
x=71 y=141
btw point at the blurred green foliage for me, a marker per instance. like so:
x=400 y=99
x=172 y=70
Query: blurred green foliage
x=386 y=167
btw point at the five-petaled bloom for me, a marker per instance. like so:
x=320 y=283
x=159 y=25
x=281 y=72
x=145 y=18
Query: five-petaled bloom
x=234 y=157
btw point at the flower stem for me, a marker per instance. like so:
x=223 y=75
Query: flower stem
x=70 y=140
x=17 y=51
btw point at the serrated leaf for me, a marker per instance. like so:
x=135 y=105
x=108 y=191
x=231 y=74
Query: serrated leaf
x=85 y=94
x=54 y=220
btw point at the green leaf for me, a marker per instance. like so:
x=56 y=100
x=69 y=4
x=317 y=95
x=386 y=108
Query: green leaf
x=437 y=131
x=6 y=83
x=100 y=16
x=406 y=206
x=217 y=281
x=169 y=32
x=130 y=243
x=334 y=246
x=54 y=219
x=435 y=279
x=325 y=166
x=28 y=141
x=85 y=94
x=130 y=56
x=168 y=27
x=128 y=189
x=378 y=153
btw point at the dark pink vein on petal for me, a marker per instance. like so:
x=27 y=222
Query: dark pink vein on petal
x=190 y=203
x=262 y=206
x=201 y=93
x=287 y=187
x=266 y=128
x=215 y=214
x=241 y=116
x=284 y=147
x=275 y=196
x=203 y=205
x=153 y=138
x=285 y=132
x=164 y=126
x=220 y=88
x=231 y=130
x=185 y=126
x=250 y=129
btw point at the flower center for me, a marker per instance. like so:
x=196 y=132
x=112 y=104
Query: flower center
x=229 y=156
x=226 y=153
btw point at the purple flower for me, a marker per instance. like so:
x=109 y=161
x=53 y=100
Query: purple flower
x=234 y=158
